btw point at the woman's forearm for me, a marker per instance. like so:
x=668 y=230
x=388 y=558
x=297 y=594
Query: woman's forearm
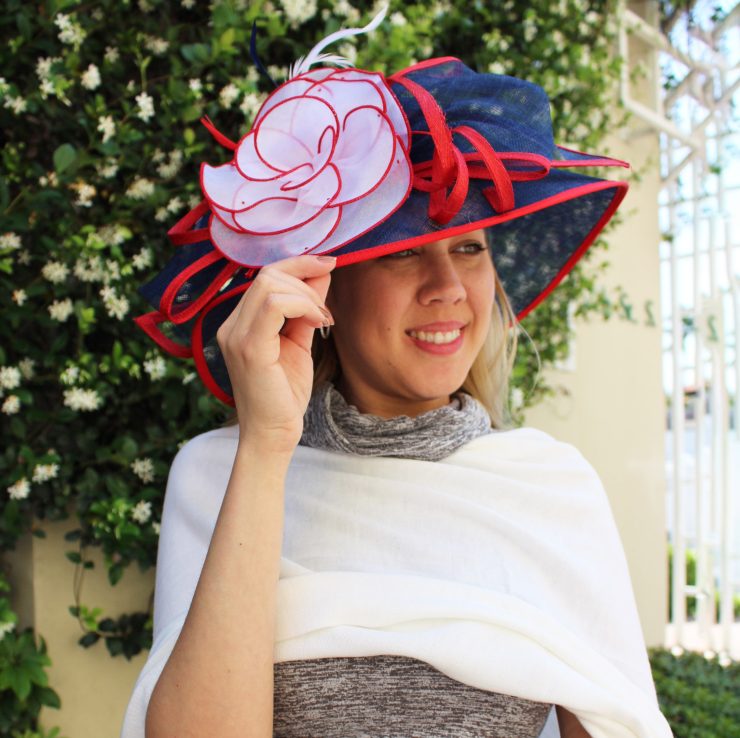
x=219 y=677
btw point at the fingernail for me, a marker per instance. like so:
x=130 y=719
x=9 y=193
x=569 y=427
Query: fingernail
x=327 y=314
x=327 y=259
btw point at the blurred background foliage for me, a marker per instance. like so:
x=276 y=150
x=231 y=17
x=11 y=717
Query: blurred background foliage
x=99 y=108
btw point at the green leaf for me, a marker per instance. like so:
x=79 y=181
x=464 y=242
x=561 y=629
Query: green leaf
x=64 y=157
x=89 y=639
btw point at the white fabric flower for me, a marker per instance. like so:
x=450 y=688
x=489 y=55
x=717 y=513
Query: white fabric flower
x=296 y=187
x=61 y=309
x=84 y=400
x=144 y=469
x=19 y=490
x=11 y=405
x=91 y=78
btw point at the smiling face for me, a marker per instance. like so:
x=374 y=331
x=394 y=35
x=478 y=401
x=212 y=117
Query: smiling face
x=409 y=325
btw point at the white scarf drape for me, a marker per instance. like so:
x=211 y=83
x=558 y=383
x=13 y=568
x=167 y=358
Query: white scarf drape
x=499 y=565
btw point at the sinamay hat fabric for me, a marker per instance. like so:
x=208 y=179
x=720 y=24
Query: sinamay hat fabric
x=481 y=155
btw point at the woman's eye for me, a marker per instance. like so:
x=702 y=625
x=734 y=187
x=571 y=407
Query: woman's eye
x=401 y=254
x=472 y=247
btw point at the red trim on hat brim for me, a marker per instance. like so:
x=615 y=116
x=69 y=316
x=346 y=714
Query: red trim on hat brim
x=620 y=188
x=181 y=234
x=424 y=65
x=201 y=364
x=148 y=324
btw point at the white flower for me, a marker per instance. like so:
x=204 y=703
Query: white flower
x=84 y=400
x=228 y=95
x=156 y=368
x=6 y=628
x=47 y=88
x=187 y=4
x=91 y=78
x=24 y=257
x=70 y=375
x=112 y=234
x=195 y=85
x=251 y=104
x=55 y=271
x=106 y=126
x=497 y=67
x=4 y=86
x=188 y=378
x=142 y=511
x=299 y=11
x=61 y=309
x=169 y=169
x=116 y=305
x=157 y=46
x=530 y=30
x=10 y=241
x=174 y=205
x=90 y=270
x=343 y=7
x=145 y=6
x=17 y=104
x=44 y=65
x=11 y=405
x=143 y=258
x=10 y=377
x=49 y=179
x=144 y=469
x=398 y=19
x=140 y=189
x=19 y=297
x=109 y=168
x=194 y=201
x=156 y=527
x=146 y=106
x=111 y=54
x=44 y=472
x=349 y=51
x=161 y=215
x=27 y=367
x=19 y=490
x=517 y=398
x=158 y=156
x=85 y=193
x=69 y=31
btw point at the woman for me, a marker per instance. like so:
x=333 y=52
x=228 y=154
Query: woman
x=382 y=558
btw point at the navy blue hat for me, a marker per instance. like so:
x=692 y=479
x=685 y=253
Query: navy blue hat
x=468 y=151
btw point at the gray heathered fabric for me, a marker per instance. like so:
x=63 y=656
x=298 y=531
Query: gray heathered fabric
x=392 y=697
x=330 y=423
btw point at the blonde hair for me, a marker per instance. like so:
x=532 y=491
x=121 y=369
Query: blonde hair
x=488 y=377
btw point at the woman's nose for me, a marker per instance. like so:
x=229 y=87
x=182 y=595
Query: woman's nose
x=441 y=282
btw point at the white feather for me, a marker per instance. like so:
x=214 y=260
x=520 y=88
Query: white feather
x=305 y=63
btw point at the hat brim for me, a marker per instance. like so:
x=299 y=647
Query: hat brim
x=533 y=246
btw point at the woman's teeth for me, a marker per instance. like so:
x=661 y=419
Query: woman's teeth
x=436 y=336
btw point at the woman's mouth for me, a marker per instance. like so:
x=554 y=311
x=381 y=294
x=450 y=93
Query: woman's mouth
x=436 y=337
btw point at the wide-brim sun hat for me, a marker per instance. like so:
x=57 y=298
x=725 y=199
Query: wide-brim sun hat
x=348 y=162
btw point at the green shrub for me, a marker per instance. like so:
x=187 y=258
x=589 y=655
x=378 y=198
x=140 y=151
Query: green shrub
x=699 y=697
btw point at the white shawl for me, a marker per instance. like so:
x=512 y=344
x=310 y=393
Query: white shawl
x=500 y=566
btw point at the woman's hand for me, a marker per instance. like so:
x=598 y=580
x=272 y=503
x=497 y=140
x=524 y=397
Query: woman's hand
x=266 y=343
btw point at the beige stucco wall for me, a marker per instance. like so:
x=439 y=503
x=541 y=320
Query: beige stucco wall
x=612 y=406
